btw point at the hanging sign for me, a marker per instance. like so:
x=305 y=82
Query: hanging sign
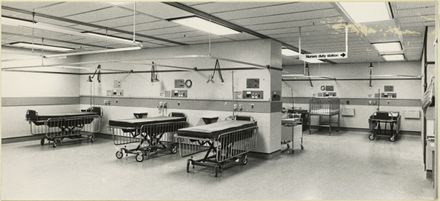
x=328 y=55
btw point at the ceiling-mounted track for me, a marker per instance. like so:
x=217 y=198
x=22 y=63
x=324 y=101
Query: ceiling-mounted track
x=88 y=24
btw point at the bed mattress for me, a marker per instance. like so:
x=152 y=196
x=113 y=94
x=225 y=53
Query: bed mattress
x=215 y=129
x=65 y=115
x=324 y=112
x=146 y=121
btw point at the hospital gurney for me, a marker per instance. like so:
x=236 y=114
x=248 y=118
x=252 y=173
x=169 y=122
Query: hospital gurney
x=148 y=134
x=226 y=143
x=56 y=127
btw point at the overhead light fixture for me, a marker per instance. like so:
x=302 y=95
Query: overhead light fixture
x=60 y=29
x=94 y=52
x=118 y=3
x=289 y=52
x=204 y=25
x=313 y=61
x=40 y=46
x=393 y=57
x=114 y=38
x=361 y=12
x=388 y=47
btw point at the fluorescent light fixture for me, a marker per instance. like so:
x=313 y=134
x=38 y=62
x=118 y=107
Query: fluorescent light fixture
x=388 y=47
x=40 y=46
x=361 y=12
x=60 y=29
x=114 y=38
x=393 y=57
x=313 y=61
x=94 y=52
x=117 y=3
x=289 y=52
x=204 y=25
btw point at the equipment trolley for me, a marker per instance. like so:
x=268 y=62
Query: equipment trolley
x=379 y=123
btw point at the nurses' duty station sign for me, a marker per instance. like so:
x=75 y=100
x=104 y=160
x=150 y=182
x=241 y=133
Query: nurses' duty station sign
x=330 y=55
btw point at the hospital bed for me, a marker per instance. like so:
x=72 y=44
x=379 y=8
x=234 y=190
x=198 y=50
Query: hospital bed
x=324 y=107
x=225 y=143
x=56 y=127
x=148 y=135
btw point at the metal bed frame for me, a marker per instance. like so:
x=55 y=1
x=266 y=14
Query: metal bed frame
x=223 y=151
x=324 y=107
x=56 y=129
x=375 y=123
x=292 y=124
x=150 y=138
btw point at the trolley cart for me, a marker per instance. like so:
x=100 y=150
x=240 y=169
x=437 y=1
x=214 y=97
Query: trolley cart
x=148 y=135
x=292 y=123
x=226 y=144
x=57 y=127
x=378 y=125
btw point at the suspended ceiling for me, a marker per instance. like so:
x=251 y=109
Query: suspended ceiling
x=320 y=23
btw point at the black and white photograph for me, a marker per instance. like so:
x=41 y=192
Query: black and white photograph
x=219 y=100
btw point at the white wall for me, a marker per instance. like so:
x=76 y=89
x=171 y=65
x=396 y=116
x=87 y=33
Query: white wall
x=263 y=52
x=33 y=85
x=405 y=89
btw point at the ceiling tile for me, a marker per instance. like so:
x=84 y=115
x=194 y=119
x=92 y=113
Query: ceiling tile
x=219 y=7
x=28 y=5
x=72 y=8
x=274 y=10
x=158 y=9
x=109 y=13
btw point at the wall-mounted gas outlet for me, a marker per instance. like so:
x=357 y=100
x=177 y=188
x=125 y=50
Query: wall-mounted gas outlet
x=178 y=103
x=179 y=93
x=107 y=102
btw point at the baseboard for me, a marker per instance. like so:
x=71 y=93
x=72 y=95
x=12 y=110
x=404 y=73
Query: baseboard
x=264 y=155
x=402 y=132
x=104 y=136
x=39 y=136
x=22 y=138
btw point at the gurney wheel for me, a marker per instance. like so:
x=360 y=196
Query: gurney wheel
x=302 y=147
x=140 y=157
x=244 y=159
x=42 y=142
x=119 y=154
x=54 y=144
x=188 y=163
x=393 y=138
x=92 y=138
x=371 y=137
x=173 y=149
x=217 y=170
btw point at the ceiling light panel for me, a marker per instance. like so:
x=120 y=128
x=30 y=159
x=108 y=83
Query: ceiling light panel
x=388 y=47
x=204 y=25
x=289 y=52
x=362 y=12
x=393 y=57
